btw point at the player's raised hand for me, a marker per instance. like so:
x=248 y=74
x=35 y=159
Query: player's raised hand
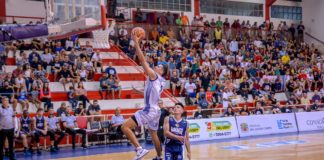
x=135 y=38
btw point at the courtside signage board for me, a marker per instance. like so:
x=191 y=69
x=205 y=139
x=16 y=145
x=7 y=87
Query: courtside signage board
x=266 y=124
x=310 y=121
x=212 y=128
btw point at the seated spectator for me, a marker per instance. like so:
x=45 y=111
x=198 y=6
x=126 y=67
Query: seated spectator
x=276 y=108
x=244 y=111
x=227 y=95
x=114 y=86
x=45 y=96
x=34 y=94
x=80 y=111
x=7 y=91
x=316 y=97
x=81 y=93
x=94 y=108
x=229 y=112
x=104 y=87
x=176 y=84
x=285 y=109
x=22 y=97
x=245 y=88
x=97 y=61
x=72 y=98
x=65 y=76
x=304 y=100
x=258 y=109
x=202 y=100
x=62 y=112
x=117 y=120
x=110 y=70
x=198 y=114
x=317 y=106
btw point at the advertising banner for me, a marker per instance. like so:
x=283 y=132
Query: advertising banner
x=266 y=124
x=212 y=128
x=310 y=121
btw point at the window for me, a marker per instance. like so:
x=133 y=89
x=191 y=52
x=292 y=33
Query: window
x=231 y=8
x=286 y=12
x=171 y=5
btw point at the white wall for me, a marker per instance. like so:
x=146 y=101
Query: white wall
x=25 y=8
x=313 y=13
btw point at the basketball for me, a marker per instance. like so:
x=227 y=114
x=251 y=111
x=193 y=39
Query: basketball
x=139 y=32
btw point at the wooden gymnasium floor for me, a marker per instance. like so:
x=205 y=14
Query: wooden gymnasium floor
x=308 y=146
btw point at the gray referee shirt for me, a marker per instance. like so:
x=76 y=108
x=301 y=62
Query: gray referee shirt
x=52 y=123
x=6 y=118
x=69 y=120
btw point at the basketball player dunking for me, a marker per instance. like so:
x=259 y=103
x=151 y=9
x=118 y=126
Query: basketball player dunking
x=151 y=113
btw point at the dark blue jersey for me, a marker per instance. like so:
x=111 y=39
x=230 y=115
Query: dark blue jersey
x=40 y=122
x=178 y=128
x=25 y=124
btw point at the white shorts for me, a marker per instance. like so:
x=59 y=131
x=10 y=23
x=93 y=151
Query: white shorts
x=150 y=118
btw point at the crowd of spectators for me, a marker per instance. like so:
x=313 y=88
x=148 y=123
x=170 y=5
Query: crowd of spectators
x=215 y=63
x=61 y=61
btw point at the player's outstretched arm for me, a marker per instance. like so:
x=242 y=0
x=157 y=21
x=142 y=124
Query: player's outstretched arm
x=148 y=71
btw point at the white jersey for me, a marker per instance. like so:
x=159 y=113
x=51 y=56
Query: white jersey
x=152 y=93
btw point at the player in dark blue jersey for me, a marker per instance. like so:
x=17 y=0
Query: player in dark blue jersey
x=24 y=131
x=177 y=135
x=40 y=127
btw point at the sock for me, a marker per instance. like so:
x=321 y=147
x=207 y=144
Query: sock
x=139 y=148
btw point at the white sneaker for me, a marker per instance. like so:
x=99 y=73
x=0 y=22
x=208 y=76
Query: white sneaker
x=141 y=153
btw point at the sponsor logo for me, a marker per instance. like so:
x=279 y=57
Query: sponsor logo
x=194 y=128
x=244 y=127
x=284 y=124
x=218 y=126
x=319 y=123
x=220 y=134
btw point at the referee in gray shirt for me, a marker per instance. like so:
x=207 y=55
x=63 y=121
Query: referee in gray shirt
x=7 y=127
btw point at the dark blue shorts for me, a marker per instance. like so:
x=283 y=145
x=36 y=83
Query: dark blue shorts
x=173 y=152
